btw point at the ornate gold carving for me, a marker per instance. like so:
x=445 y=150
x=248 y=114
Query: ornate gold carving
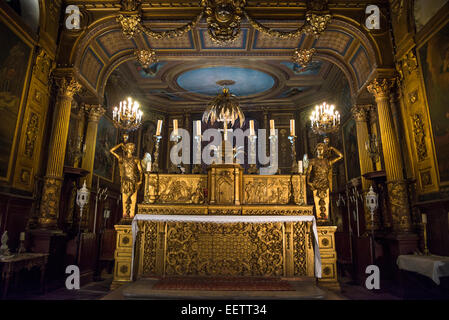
x=380 y=88
x=319 y=177
x=94 y=112
x=224 y=249
x=223 y=19
x=360 y=112
x=150 y=246
x=299 y=244
x=130 y=176
x=397 y=193
x=130 y=25
x=174 y=189
x=315 y=24
x=420 y=137
x=410 y=63
x=32 y=131
x=426 y=178
x=266 y=190
x=43 y=66
x=413 y=97
x=303 y=57
x=146 y=57
x=122 y=256
x=50 y=202
x=130 y=5
x=68 y=87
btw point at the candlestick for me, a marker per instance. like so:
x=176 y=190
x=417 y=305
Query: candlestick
x=175 y=127
x=159 y=128
x=156 y=152
x=424 y=222
x=292 y=127
x=198 y=127
x=300 y=167
x=294 y=168
x=272 y=128
x=251 y=128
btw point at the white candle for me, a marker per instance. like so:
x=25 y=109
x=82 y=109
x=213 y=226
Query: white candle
x=198 y=127
x=300 y=167
x=159 y=127
x=175 y=127
x=424 y=218
x=251 y=128
x=148 y=166
x=22 y=236
x=225 y=128
x=292 y=127
x=272 y=129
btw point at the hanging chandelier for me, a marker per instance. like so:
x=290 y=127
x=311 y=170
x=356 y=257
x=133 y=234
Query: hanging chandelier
x=224 y=108
x=325 y=119
x=146 y=57
x=303 y=57
x=127 y=117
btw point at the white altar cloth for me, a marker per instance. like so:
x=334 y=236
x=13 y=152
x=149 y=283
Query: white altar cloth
x=431 y=266
x=231 y=219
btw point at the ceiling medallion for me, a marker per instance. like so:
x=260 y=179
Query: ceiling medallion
x=303 y=57
x=146 y=57
x=224 y=108
x=223 y=19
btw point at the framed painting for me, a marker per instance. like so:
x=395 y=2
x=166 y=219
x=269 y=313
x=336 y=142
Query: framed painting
x=351 y=151
x=104 y=162
x=434 y=58
x=15 y=61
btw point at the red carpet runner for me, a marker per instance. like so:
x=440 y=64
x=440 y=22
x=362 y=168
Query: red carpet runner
x=223 y=284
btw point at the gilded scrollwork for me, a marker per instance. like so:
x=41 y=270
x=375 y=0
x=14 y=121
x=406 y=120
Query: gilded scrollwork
x=223 y=19
x=299 y=243
x=50 y=201
x=32 y=131
x=420 y=137
x=224 y=249
x=397 y=193
x=149 y=246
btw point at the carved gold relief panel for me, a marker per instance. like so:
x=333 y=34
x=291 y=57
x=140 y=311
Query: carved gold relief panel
x=32 y=128
x=230 y=249
x=416 y=123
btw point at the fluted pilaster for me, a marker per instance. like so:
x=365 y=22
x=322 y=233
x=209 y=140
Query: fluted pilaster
x=94 y=113
x=67 y=88
x=397 y=186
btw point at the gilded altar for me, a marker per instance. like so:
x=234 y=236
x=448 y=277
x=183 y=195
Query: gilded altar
x=225 y=223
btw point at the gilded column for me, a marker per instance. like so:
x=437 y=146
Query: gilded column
x=397 y=186
x=360 y=114
x=67 y=88
x=94 y=114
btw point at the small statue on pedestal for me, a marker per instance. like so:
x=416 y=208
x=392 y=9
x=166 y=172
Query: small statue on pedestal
x=130 y=176
x=318 y=177
x=4 y=250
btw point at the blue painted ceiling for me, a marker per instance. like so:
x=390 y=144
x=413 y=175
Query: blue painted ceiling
x=247 y=81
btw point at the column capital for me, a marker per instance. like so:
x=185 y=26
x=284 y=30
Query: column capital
x=360 y=112
x=65 y=80
x=94 y=111
x=380 y=88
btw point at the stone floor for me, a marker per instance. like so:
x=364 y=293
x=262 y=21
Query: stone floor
x=100 y=290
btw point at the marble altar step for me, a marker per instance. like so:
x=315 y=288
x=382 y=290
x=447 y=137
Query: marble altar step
x=297 y=289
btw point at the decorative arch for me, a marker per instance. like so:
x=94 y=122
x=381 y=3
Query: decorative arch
x=101 y=48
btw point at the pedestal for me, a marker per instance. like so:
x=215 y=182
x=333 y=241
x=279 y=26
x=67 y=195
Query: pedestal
x=122 y=256
x=326 y=241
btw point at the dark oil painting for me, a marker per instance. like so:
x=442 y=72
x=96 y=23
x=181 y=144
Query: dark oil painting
x=14 y=63
x=434 y=57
